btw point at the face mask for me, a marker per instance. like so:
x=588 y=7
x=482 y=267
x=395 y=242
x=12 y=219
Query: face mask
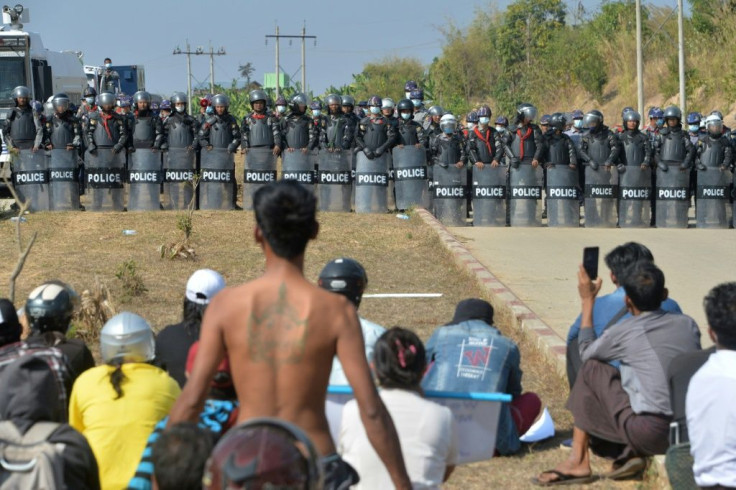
x=181 y=108
x=448 y=130
x=694 y=128
x=484 y=120
x=108 y=65
x=471 y=126
x=316 y=113
x=408 y=95
x=209 y=110
x=577 y=123
x=375 y=110
x=90 y=100
x=280 y=109
x=660 y=123
x=405 y=116
x=500 y=129
x=416 y=102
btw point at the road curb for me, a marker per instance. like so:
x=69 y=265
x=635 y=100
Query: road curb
x=503 y=299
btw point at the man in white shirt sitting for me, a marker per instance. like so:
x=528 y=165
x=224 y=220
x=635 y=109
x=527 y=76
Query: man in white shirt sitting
x=711 y=396
x=347 y=277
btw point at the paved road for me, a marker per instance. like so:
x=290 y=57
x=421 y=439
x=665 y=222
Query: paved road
x=540 y=264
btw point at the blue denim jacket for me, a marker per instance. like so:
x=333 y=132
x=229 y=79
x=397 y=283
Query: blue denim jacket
x=474 y=356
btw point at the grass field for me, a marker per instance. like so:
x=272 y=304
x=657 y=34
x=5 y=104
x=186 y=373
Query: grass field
x=401 y=256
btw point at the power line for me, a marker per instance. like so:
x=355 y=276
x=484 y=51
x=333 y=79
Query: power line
x=199 y=51
x=303 y=36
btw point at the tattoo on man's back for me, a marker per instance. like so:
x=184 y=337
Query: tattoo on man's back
x=277 y=336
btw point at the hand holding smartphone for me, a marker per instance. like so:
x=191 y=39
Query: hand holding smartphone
x=590 y=261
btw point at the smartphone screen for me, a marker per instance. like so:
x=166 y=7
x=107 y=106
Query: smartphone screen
x=590 y=261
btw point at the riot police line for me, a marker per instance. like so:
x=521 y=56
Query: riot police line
x=394 y=157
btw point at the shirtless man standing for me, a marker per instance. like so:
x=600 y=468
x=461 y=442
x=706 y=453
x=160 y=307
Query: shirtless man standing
x=281 y=333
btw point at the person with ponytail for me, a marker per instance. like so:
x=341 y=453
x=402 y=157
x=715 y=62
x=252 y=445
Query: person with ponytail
x=116 y=405
x=427 y=431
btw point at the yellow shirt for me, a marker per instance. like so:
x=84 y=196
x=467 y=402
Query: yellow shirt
x=117 y=430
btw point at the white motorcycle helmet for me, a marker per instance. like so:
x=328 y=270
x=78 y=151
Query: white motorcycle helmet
x=129 y=337
x=448 y=121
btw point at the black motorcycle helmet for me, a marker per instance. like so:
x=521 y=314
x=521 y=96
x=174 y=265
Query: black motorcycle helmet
x=344 y=276
x=50 y=307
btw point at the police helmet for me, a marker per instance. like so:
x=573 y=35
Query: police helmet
x=179 y=98
x=332 y=99
x=484 y=111
x=405 y=105
x=220 y=100
x=375 y=101
x=714 y=125
x=448 y=121
x=417 y=94
x=90 y=92
x=348 y=100
x=141 y=96
x=410 y=85
x=165 y=105
x=673 y=112
x=256 y=95
x=344 y=276
x=472 y=117
x=593 y=119
x=527 y=110
x=316 y=105
x=387 y=103
x=436 y=110
x=694 y=118
x=106 y=98
x=558 y=121
x=21 y=91
x=50 y=307
x=632 y=116
x=60 y=101
x=127 y=337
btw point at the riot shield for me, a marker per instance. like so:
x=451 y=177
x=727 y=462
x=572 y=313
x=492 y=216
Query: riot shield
x=489 y=196
x=335 y=181
x=371 y=184
x=217 y=177
x=672 y=198
x=712 y=206
x=63 y=180
x=298 y=166
x=144 y=176
x=31 y=179
x=635 y=191
x=524 y=195
x=450 y=194
x=601 y=192
x=104 y=174
x=260 y=169
x=179 y=168
x=410 y=177
x=563 y=207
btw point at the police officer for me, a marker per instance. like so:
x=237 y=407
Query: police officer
x=375 y=134
x=110 y=79
x=714 y=156
x=297 y=129
x=447 y=148
x=636 y=151
x=280 y=110
x=223 y=123
x=713 y=149
x=672 y=144
x=317 y=118
x=471 y=121
x=576 y=131
x=336 y=133
x=89 y=104
x=409 y=87
x=599 y=146
x=147 y=130
x=23 y=128
x=693 y=127
x=656 y=121
x=409 y=131
x=63 y=130
x=106 y=128
x=259 y=129
x=432 y=122
x=485 y=144
x=164 y=110
x=348 y=108
x=180 y=129
x=544 y=124
x=420 y=113
x=525 y=143
x=560 y=148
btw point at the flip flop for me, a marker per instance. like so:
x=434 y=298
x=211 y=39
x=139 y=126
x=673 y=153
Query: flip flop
x=563 y=479
x=630 y=469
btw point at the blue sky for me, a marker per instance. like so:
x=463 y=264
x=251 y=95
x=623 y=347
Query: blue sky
x=349 y=34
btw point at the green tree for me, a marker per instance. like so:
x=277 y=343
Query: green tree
x=386 y=77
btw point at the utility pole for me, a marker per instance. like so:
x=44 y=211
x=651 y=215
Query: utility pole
x=303 y=36
x=197 y=52
x=681 y=55
x=639 y=62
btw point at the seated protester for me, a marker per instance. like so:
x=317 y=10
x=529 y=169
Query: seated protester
x=174 y=341
x=10 y=327
x=220 y=413
x=49 y=309
x=347 y=277
x=624 y=414
x=29 y=395
x=610 y=308
x=264 y=453
x=179 y=456
x=470 y=355
x=711 y=396
x=426 y=430
x=116 y=405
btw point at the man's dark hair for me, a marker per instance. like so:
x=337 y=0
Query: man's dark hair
x=179 y=456
x=192 y=315
x=399 y=359
x=108 y=60
x=286 y=214
x=720 y=309
x=644 y=285
x=624 y=256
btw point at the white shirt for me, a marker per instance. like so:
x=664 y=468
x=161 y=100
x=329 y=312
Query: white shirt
x=371 y=332
x=427 y=433
x=711 y=420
